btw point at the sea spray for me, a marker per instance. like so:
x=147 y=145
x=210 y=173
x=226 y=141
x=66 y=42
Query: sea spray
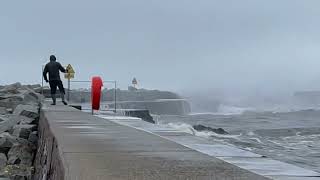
x=184 y=127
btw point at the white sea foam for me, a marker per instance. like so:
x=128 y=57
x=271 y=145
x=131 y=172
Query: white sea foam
x=257 y=139
x=230 y=110
x=182 y=127
x=206 y=134
x=226 y=110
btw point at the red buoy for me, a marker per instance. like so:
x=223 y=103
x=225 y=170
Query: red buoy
x=96 y=92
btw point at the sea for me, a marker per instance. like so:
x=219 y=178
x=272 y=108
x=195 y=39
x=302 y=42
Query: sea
x=290 y=135
x=287 y=135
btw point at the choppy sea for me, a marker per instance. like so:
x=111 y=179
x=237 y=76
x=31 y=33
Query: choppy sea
x=287 y=135
x=291 y=136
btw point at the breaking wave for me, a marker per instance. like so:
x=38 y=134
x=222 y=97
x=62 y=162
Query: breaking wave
x=187 y=128
x=226 y=110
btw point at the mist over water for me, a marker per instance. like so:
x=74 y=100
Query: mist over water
x=281 y=126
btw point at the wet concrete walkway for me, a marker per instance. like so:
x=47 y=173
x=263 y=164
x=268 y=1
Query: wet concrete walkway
x=247 y=160
x=93 y=148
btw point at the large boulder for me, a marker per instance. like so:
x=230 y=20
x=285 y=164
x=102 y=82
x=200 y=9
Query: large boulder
x=7 y=123
x=209 y=129
x=33 y=86
x=21 y=154
x=7 y=141
x=25 y=120
x=23 y=131
x=3 y=160
x=11 y=102
x=17 y=172
x=12 y=89
x=13 y=95
x=29 y=95
x=3 y=110
x=143 y=114
x=33 y=137
x=3 y=118
x=30 y=111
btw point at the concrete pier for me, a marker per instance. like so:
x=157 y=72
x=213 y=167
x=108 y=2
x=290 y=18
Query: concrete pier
x=75 y=145
x=252 y=162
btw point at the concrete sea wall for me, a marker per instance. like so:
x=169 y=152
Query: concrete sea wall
x=74 y=145
x=48 y=164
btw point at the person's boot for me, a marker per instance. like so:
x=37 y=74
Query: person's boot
x=53 y=96
x=63 y=101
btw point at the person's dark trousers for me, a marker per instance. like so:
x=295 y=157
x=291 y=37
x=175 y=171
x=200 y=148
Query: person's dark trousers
x=53 y=86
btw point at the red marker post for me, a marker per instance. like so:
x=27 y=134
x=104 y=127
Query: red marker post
x=96 y=86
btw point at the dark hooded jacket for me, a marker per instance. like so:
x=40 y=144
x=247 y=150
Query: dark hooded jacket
x=53 y=68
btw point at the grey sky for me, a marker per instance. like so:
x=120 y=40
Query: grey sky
x=167 y=44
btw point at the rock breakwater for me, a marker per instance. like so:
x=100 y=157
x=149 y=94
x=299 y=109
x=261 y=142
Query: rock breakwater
x=19 y=117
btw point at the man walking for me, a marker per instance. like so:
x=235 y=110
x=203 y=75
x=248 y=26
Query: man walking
x=54 y=68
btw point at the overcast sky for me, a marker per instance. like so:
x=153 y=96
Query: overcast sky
x=272 y=45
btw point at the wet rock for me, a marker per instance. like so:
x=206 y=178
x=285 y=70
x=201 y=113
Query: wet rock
x=25 y=120
x=23 y=131
x=11 y=102
x=143 y=114
x=7 y=123
x=205 y=128
x=7 y=141
x=31 y=111
x=20 y=155
x=38 y=90
x=13 y=95
x=18 y=178
x=3 y=160
x=3 y=110
x=33 y=137
x=12 y=88
x=33 y=86
x=3 y=118
x=29 y=95
x=9 y=110
x=17 y=172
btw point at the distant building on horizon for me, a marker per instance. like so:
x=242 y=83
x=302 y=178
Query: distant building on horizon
x=134 y=83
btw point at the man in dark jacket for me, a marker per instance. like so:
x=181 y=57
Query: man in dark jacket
x=54 y=68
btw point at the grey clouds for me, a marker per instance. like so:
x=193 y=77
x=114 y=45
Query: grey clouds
x=245 y=45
